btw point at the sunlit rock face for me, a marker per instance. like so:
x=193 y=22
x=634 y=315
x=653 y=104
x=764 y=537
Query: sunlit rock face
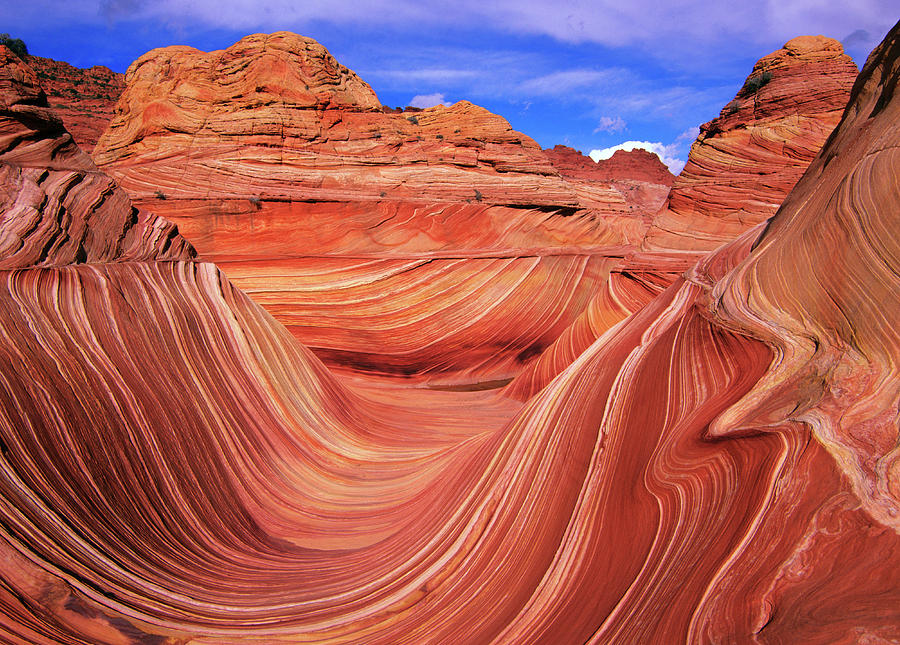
x=740 y=168
x=442 y=228
x=276 y=117
x=719 y=466
x=746 y=161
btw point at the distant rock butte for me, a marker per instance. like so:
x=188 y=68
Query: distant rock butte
x=641 y=179
x=56 y=207
x=624 y=165
x=745 y=161
x=83 y=98
x=281 y=115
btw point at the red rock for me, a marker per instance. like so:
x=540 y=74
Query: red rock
x=624 y=165
x=84 y=99
x=720 y=467
x=265 y=178
x=57 y=208
x=183 y=109
x=746 y=161
x=638 y=178
x=821 y=288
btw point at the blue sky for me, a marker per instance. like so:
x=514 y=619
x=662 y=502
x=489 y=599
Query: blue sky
x=588 y=74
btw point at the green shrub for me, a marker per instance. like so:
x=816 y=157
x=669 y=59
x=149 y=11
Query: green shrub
x=753 y=85
x=16 y=45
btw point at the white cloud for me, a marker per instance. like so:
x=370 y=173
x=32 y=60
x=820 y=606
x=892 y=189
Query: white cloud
x=690 y=134
x=609 y=124
x=564 y=82
x=667 y=153
x=428 y=100
x=644 y=23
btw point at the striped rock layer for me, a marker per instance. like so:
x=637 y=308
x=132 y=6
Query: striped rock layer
x=745 y=162
x=56 y=207
x=719 y=466
x=270 y=155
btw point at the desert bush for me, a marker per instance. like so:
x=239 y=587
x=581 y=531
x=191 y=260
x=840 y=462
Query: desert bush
x=16 y=45
x=754 y=84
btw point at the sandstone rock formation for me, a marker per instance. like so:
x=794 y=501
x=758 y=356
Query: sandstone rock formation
x=624 y=165
x=721 y=466
x=745 y=161
x=270 y=155
x=57 y=208
x=84 y=99
x=740 y=168
x=298 y=126
x=642 y=180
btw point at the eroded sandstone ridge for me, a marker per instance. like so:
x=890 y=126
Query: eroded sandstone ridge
x=745 y=161
x=720 y=466
x=84 y=99
x=442 y=228
x=56 y=207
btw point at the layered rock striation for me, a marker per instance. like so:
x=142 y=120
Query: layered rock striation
x=745 y=162
x=720 y=466
x=270 y=155
x=282 y=115
x=57 y=208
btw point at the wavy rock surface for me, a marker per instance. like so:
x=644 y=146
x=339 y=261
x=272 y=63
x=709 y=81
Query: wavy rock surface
x=745 y=162
x=719 y=468
x=270 y=154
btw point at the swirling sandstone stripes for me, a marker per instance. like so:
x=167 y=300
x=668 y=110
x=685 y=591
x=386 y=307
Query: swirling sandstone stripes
x=718 y=466
x=57 y=208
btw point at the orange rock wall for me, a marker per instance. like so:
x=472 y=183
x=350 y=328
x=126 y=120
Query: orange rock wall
x=746 y=161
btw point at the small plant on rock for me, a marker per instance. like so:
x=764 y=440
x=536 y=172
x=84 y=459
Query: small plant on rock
x=15 y=45
x=754 y=84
